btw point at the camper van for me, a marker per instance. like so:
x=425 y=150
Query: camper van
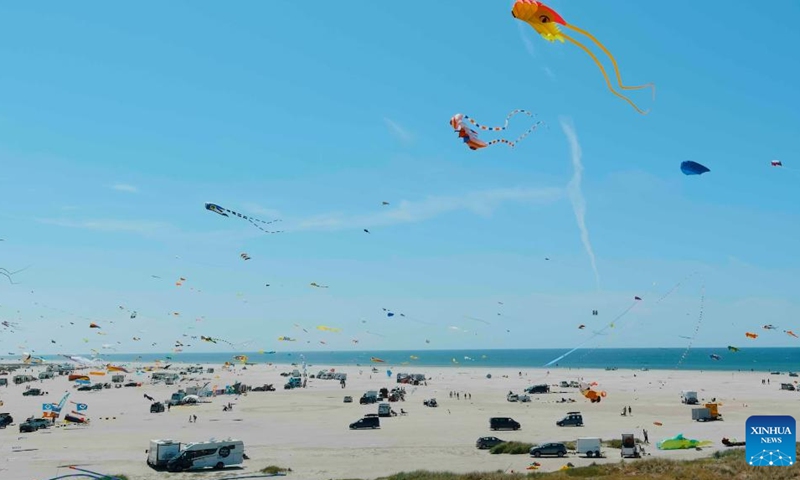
x=161 y=452
x=211 y=454
x=689 y=397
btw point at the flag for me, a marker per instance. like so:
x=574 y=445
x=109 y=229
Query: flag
x=82 y=407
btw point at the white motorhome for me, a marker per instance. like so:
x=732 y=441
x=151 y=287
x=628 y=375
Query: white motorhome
x=161 y=452
x=689 y=397
x=216 y=454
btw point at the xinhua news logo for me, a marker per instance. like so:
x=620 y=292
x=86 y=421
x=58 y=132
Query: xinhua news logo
x=770 y=440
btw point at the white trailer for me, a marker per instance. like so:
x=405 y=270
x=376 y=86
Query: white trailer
x=216 y=454
x=689 y=397
x=161 y=452
x=589 y=446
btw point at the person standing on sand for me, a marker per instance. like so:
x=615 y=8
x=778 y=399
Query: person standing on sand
x=195 y=418
x=190 y=419
x=629 y=410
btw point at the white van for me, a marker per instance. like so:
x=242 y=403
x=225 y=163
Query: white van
x=213 y=454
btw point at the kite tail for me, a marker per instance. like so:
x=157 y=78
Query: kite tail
x=251 y=220
x=497 y=129
x=605 y=75
x=613 y=62
x=512 y=144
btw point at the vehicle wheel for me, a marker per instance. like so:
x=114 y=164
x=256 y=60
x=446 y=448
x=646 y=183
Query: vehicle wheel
x=597 y=454
x=219 y=466
x=560 y=454
x=589 y=454
x=537 y=454
x=580 y=424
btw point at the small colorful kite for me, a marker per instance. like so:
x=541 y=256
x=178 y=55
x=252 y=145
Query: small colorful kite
x=751 y=335
x=377 y=360
x=316 y=285
x=776 y=163
x=769 y=327
x=323 y=328
x=545 y=21
x=595 y=396
x=245 y=256
x=212 y=207
x=714 y=356
x=789 y=332
x=732 y=348
x=470 y=137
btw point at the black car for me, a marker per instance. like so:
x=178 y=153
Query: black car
x=156 y=407
x=503 y=423
x=84 y=388
x=543 y=388
x=6 y=420
x=366 y=422
x=484 y=443
x=32 y=392
x=33 y=424
x=549 y=449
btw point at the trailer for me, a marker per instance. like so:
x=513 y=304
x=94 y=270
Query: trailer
x=589 y=446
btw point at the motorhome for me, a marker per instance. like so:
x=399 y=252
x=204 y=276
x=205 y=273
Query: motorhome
x=118 y=378
x=45 y=375
x=163 y=376
x=211 y=454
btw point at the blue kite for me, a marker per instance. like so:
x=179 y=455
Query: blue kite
x=693 y=168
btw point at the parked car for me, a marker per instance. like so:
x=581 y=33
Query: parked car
x=5 y=420
x=132 y=384
x=348 y=399
x=543 y=388
x=366 y=422
x=549 y=449
x=84 y=388
x=574 y=419
x=430 y=403
x=503 y=423
x=484 y=443
x=156 y=407
x=33 y=424
x=32 y=392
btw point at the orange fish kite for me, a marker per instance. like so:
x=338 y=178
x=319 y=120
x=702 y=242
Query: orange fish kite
x=546 y=22
x=751 y=335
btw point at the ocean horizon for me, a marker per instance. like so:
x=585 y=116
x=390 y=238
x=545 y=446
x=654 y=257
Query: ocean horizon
x=781 y=359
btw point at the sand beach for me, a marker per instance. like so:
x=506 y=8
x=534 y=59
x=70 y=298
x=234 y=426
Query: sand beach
x=306 y=429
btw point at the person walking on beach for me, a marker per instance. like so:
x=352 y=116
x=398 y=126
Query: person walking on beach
x=194 y=417
x=190 y=419
x=629 y=410
x=646 y=440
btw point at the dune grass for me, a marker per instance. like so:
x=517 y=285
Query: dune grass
x=728 y=464
x=512 y=448
x=273 y=469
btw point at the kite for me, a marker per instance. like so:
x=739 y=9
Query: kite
x=384 y=203
x=323 y=328
x=376 y=360
x=594 y=312
x=133 y=314
x=9 y=274
x=732 y=348
x=94 y=325
x=241 y=358
x=544 y=20
x=593 y=395
x=253 y=221
x=637 y=298
x=287 y=339
x=366 y=231
x=751 y=335
x=769 y=327
x=470 y=137
x=789 y=332
x=714 y=356
x=679 y=442
x=776 y=163
x=245 y=256
x=315 y=284
x=581 y=326
x=693 y=168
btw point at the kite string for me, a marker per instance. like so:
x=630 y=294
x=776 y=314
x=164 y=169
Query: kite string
x=696 y=328
x=605 y=75
x=505 y=126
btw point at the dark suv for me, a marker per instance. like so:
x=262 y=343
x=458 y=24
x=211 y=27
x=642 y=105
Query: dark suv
x=549 y=449
x=6 y=420
x=488 y=442
x=32 y=392
x=572 y=419
x=33 y=424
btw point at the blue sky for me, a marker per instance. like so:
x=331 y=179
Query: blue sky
x=118 y=122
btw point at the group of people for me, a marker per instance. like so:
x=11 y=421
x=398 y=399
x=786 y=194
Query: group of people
x=467 y=396
x=626 y=411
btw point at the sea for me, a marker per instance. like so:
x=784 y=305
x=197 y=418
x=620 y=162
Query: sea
x=746 y=359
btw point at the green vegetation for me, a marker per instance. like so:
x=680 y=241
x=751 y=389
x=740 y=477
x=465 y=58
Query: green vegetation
x=273 y=469
x=728 y=464
x=512 y=448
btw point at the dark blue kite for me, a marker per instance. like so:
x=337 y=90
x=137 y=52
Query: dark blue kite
x=693 y=168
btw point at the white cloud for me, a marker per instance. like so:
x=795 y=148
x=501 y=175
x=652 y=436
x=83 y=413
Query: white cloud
x=575 y=193
x=526 y=41
x=481 y=203
x=109 y=225
x=123 y=187
x=549 y=73
x=258 y=210
x=398 y=131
